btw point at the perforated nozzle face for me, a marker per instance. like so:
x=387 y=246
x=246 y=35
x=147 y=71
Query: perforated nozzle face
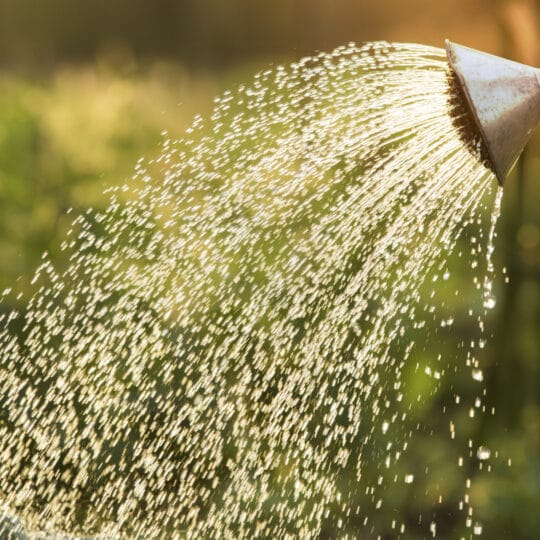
x=504 y=97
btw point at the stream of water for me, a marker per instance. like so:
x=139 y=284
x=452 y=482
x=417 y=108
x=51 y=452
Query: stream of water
x=223 y=356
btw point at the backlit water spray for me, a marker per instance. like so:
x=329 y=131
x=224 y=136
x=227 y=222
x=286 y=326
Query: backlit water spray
x=223 y=355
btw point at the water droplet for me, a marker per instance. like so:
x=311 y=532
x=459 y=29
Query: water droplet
x=409 y=478
x=483 y=453
x=478 y=375
x=490 y=302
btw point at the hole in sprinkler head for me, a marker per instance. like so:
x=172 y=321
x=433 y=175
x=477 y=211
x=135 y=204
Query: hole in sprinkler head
x=465 y=122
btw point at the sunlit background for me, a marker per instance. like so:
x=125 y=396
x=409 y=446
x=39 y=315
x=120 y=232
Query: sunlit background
x=88 y=87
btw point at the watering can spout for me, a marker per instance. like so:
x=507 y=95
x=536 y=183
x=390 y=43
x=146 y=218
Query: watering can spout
x=504 y=98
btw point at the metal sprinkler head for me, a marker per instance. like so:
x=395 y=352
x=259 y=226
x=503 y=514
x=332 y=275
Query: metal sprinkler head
x=504 y=98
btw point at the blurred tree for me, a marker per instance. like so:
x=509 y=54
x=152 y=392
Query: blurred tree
x=216 y=33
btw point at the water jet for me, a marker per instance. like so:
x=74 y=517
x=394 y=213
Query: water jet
x=504 y=99
x=229 y=351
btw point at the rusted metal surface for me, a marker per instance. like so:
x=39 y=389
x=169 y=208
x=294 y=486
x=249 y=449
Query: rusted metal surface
x=504 y=97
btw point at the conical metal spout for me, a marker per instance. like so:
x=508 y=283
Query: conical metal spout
x=504 y=98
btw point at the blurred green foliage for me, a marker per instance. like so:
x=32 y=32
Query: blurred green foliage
x=64 y=139
x=216 y=33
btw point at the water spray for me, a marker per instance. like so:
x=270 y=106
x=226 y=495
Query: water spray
x=504 y=98
x=213 y=357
